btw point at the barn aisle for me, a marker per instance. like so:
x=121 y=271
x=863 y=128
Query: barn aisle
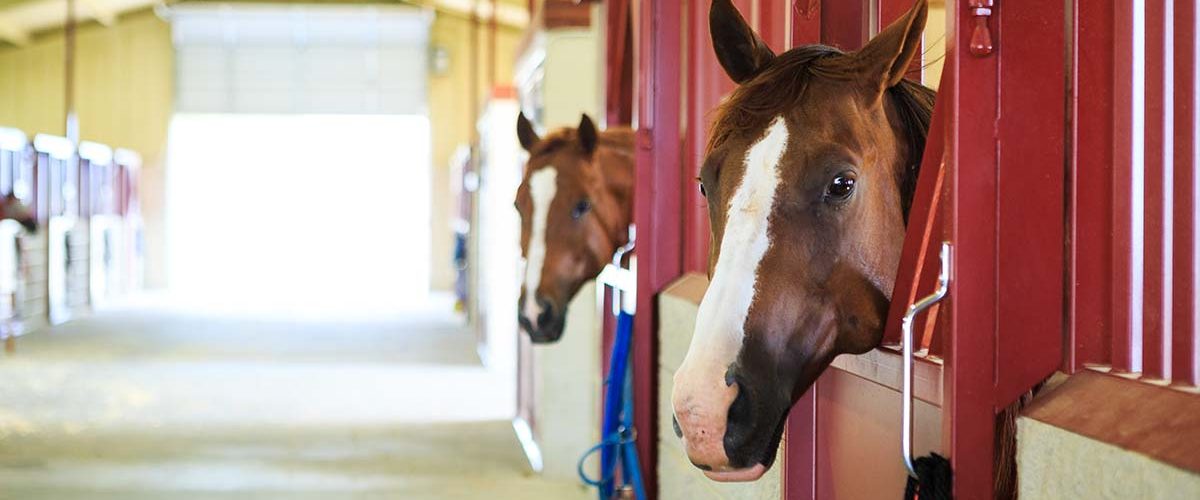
x=163 y=400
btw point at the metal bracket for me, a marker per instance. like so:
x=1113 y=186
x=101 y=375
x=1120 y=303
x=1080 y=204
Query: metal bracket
x=906 y=327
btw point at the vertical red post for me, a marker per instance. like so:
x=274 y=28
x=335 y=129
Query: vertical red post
x=618 y=102
x=806 y=22
x=1030 y=132
x=706 y=84
x=773 y=23
x=1089 y=313
x=1124 y=264
x=1156 y=264
x=970 y=94
x=800 y=449
x=656 y=206
x=1185 y=344
x=844 y=23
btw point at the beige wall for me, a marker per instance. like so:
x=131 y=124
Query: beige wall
x=1057 y=463
x=450 y=97
x=123 y=95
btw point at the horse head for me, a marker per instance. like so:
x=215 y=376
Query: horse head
x=810 y=166
x=575 y=203
x=13 y=208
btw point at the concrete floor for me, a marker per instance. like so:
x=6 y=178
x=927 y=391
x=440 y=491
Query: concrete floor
x=160 y=402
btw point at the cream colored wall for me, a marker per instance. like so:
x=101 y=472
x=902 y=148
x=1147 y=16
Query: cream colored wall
x=125 y=81
x=450 y=97
x=934 y=39
x=1055 y=463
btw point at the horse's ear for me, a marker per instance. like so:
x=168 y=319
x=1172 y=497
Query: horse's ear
x=587 y=135
x=887 y=57
x=525 y=133
x=741 y=52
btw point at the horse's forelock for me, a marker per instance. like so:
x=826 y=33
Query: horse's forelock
x=781 y=86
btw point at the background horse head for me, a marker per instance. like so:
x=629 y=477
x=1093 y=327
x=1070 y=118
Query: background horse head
x=11 y=207
x=576 y=204
x=810 y=168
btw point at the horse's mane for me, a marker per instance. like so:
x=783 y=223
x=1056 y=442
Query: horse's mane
x=618 y=138
x=781 y=86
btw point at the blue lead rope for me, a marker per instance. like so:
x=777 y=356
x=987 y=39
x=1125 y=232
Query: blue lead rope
x=617 y=444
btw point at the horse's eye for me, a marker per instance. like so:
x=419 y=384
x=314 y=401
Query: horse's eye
x=581 y=208
x=702 y=191
x=841 y=188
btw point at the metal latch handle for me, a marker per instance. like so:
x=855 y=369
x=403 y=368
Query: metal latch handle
x=906 y=329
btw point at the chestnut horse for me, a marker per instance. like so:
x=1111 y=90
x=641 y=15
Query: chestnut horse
x=809 y=171
x=576 y=204
x=11 y=207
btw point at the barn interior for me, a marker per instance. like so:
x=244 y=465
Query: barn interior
x=279 y=252
x=267 y=308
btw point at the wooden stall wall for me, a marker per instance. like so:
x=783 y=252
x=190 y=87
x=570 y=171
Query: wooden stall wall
x=1130 y=334
x=1133 y=164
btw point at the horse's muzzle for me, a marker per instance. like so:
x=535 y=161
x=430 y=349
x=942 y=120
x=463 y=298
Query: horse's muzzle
x=549 y=326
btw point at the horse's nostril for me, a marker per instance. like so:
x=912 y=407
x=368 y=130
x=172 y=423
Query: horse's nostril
x=546 y=317
x=675 y=424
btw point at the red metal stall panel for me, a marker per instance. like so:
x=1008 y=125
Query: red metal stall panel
x=1090 y=315
x=844 y=23
x=806 y=22
x=1185 y=343
x=800 y=449
x=619 y=46
x=970 y=94
x=657 y=204
x=1156 y=264
x=1125 y=266
x=707 y=84
x=774 y=23
x=918 y=267
x=1030 y=134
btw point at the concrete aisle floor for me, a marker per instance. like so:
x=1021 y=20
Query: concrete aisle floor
x=157 y=402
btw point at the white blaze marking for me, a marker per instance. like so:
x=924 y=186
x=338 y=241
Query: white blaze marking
x=722 y=315
x=542 y=186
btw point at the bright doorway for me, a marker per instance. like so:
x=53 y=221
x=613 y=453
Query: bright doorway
x=301 y=214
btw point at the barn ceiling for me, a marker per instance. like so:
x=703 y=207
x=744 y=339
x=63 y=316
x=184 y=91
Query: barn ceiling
x=20 y=20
